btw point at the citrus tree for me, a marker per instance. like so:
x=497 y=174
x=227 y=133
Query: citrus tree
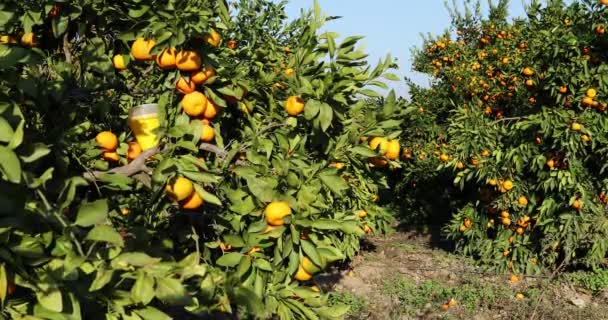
x=160 y=159
x=519 y=119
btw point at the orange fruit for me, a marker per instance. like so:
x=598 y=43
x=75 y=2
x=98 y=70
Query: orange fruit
x=379 y=142
x=585 y=138
x=522 y=201
x=528 y=72
x=563 y=90
x=231 y=44
x=134 y=150
x=29 y=40
x=167 y=59
x=445 y=306
x=276 y=211
x=460 y=165
x=212 y=110
x=302 y=275
x=506 y=221
x=452 y=302
x=208 y=133
x=550 y=163
x=485 y=153
x=179 y=189
x=576 y=126
x=361 y=213
x=309 y=266
x=520 y=231
x=213 y=38
x=492 y=182
x=519 y=296
x=294 y=105
x=468 y=223
x=514 y=279
x=367 y=229
x=591 y=93
x=577 y=204
x=119 y=62
x=504 y=214
x=8 y=39
x=194 y=201
x=140 y=50
x=184 y=85
x=107 y=141
x=444 y=157
x=392 y=150
x=507 y=185
x=111 y=156
x=288 y=72
x=337 y=165
x=124 y=211
x=201 y=76
x=188 y=60
x=194 y=103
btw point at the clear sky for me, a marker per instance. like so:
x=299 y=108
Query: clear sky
x=390 y=26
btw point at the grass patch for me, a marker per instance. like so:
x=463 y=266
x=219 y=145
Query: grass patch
x=594 y=281
x=356 y=303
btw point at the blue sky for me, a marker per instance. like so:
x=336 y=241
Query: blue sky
x=389 y=26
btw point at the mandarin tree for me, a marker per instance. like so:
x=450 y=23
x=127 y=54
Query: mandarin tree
x=141 y=143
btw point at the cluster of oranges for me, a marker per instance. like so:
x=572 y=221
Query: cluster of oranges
x=390 y=149
x=108 y=142
x=182 y=190
x=28 y=40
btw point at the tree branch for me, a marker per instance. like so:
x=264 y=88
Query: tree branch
x=136 y=166
x=213 y=148
x=66 y=48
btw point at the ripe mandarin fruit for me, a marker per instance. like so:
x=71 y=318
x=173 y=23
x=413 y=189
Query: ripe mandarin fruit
x=302 y=275
x=213 y=38
x=140 y=50
x=119 y=62
x=445 y=306
x=485 y=153
x=444 y=157
x=492 y=182
x=276 y=211
x=361 y=213
x=506 y=221
x=591 y=93
x=179 y=189
x=519 y=296
x=231 y=44
x=460 y=165
x=575 y=126
x=288 y=72
x=392 y=150
x=577 y=204
x=379 y=142
x=194 y=103
x=107 y=141
x=208 y=133
x=309 y=266
x=528 y=72
x=29 y=40
x=212 y=110
x=294 y=105
x=337 y=165
x=8 y=39
x=563 y=90
x=367 y=229
x=514 y=279
x=134 y=150
x=507 y=185
x=520 y=231
x=452 y=302
x=185 y=86
x=194 y=201
x=550 y=163
x=111 y=156
x=522 y=201
x=167 y=59
x=585 y=138
x=202 y=75
x=188 y=60
x=504 y=214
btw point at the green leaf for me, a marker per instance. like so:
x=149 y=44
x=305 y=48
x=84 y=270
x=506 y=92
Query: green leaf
x=136 y=259
x=363 y=150
x=312 y=108
x=326 y=224
x=311 y=252
x=334 y=312
x=262 y=264
x=229 y=260
x=103 y=276
x=171 y=291
x=6 y=131
x=151 y=313
x=92 y=213
x=50 y=300
x=248 y=298
x=143 y=289
x=105 y=234
x=208 y=197
x=334 y=182
x=35 y=152
x=10 y=167
x=325 y=116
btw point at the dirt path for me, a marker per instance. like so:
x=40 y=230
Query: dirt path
x=402 y=277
